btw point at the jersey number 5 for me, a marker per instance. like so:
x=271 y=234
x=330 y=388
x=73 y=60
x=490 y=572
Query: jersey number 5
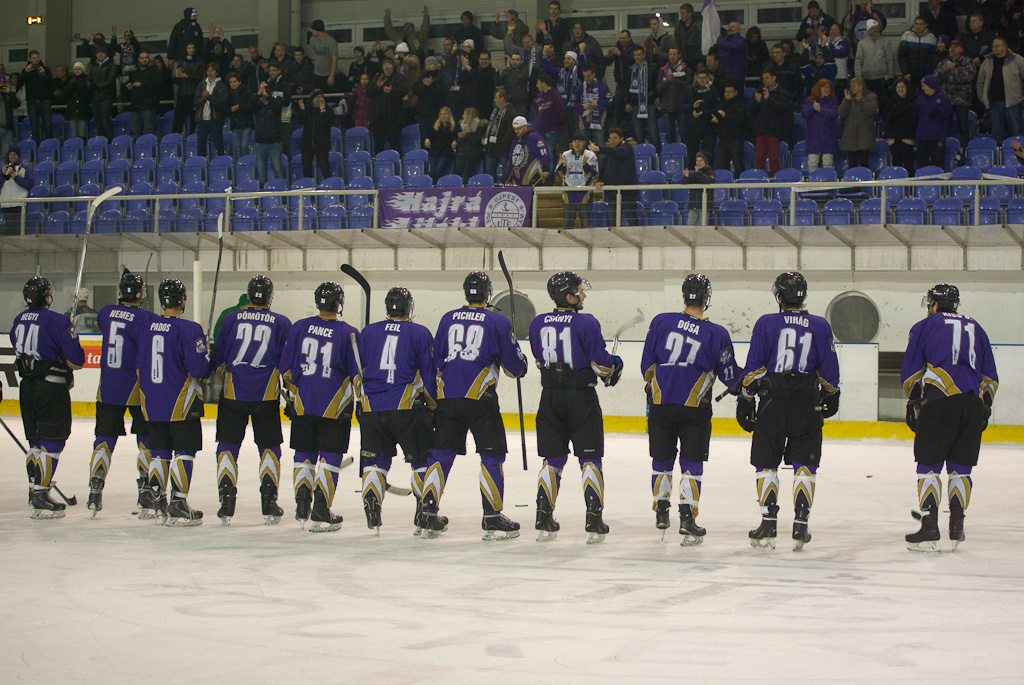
x=116 y=348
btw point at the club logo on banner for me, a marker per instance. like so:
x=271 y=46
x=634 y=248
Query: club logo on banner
x=455 y=207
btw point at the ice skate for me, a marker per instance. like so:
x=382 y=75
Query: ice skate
x=42 y=506
x=593 y=496
x=95 y=504
x=497 y=526
x=180 y=514
x=145 y=501
x=547 y=527
x=661 y=515
x=272 y=513
x=322 y=519
x=956 y=524
x=688 y=528
x=303 y=502
x=417 y=519
x=159 y=497
x=430 y=523
x=927 y=538
x=371 y=506
x=801 y=536
x=228 y=494
x=763 y=537
x=596 y=527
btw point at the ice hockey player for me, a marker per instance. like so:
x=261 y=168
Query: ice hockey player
x=792 y=366
x=398 y=392
x=569 y=350
x=47 y=352
x=682 y=356
x=122 y=326
x=949 y=376
x=173 y=365
x=319 y=367
x=246 y=355
x=471 y=346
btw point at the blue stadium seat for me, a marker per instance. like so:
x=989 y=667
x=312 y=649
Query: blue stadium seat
x=309 y=219
x=120 y=148
x=981 y=152
x=170 y=204
x=252 y=186
x=749 y=156
x=663 y=213
x=449 y=181
x=274 y=185
x=122 y=123
x=646 y=158
x=799 y=160
x=722 y=176
x=221 y=169
x=325 y=201
x=192 y=188
x=116 y=172
x=419 y=181
x=785 y=176
x=66 y=190
x=361 y=183
x=880 y=157
x=911 y=210
x=72 y=150
x=673 y=158
x=391 y=183
x=294 y=167
x=95 y=149
x=77 y=223
x=107 y=222
x=44 y=173
x=870 y=211
x=948 y=211
x=1001 y=191
x=1015 y=211
x=57 y=223
x=766 y=213
x=168 y=171
x=145 y=147
x=336 y=163
x=599 y=214
x=245 y=168
x=964 y=173
x=189 y=220
x=752 y=195
x=300 y=184
x=806 y=212
x=480 y=181
x=415 y=163
x=142 y=171
x=357 y=164
x=410 y=139
x=333 y=217
x=858 y=174
x=988 y=212
x=136 y=221
x=356 y=138
x=1007 y=156
x=361 y=217
x=138 y=189
x=838 y=212
x=336 y=138
x=928 y=193
x=190 y=148
x=194 y=171
x=893 y=193
x=648 y=197
x=732 y=213
x=91 y=173
x=386 y=163
x=27 y=149
x=245 y=219
x=170 y=146
x=48 y=151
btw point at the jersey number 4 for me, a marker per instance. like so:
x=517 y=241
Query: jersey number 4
x=464 y=342
x=785 y=355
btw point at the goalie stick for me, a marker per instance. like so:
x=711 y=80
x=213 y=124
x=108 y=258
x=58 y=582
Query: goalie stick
x=519 y=382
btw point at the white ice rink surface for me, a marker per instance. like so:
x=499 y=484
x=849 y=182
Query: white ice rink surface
x=118 y=600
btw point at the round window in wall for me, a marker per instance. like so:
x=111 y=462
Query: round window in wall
x=525 y=311
x=854 y=317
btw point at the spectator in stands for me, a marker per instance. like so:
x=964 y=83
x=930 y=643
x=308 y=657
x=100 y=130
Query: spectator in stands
x=941 y=18
x=568 y=76
x=787 y=72
x=687 y=35
x=431 y=91
x=166 y=93
x=820 y=111
x=441 y=144
x=621 y=58
x=940 y=55
x=510 y=26
x=858 y=109
x=144 y=92
x=531 y=55
x=18 y=87
x=188 y=74
x=875 y=61
x=933 y=112
x=219 y=49
x=771 y=119
x=186 y=31
x=240 y=105
x=554 y=28
x=302 y=82
x=700 y=102
x=550 y=109
x=673 y=80
x=129 y=49
x=817 y=61
x=839 y=46
x=855 y=24
x=461 y=90
x=643 y=81
x=267 y=123
x=576 y=168
x=102 y=76
x=658 y=42
x=61 y=83
x=702 y=174
x=253 y=72
x=586 y=46
x=358 y=102
x=592 y=101
x=17 y=179
x=38 y=82
x=617 y=167
x=977 y=39
x=469 y=31
x=280 y=88
x=816 y=22
x=316 y=135
x=8 y=125
x=469 y=141
x=901 y=126
x=999 y=89
x=990 y=11
x=360 y=65
x=529 y=160
x=284 y=61
x=730 y=120
x=324 y=50
x=386 y=93
x=916 y=49
x=956 y=76
x=485 y=82
x=93 y=41
x=516 y=81
x=408 y=30
x=210 y=106
x=757 y=51
x=498 y=138
x=79 y=109
x=720 y=76
x=732 y=49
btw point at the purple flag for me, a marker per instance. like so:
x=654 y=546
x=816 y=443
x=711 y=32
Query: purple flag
x=455 y=207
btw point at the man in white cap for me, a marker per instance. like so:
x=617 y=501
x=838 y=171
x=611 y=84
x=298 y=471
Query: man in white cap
x=876 y=60
x=529 y=158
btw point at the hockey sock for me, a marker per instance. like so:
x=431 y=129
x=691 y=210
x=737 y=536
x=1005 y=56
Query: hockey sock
x=767 y=489
x=690 y=483
x=46 y=463
x=416 y=478
x=159 y=468
x=375 y=480
x=661 y=480
x=144 y=457
x=929 y=487
x=492 y=481
x=550 y=478
x=303 y=473
x=960 y=484
x=803 y=486
x=181 y=473
x=593 y=485
x=327 y=474
x=270 y=463
x=227 y=462
x=99 y=465
x=438 y=467
x=32 y=465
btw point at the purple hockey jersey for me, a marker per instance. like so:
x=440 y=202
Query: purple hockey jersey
x=470 y=345
x=950 y=352
x=570 y=337
x=398 y=365
x=319 y=366
x=172 y=360
x=248 y=350
x=122 y=327
x=527 y=160
x=792 y=341
x=46 y=336
x=682 y=355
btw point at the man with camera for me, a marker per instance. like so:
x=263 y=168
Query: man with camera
x=18 y=179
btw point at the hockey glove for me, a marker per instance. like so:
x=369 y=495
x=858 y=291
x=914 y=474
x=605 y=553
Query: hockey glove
x=613 y=378
x=913 y=411
x=830 y=405
x=987 y=399
x=289 y=403
x=746 y=412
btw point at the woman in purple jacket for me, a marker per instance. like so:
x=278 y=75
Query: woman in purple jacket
x=933 y=111
x=820 y=110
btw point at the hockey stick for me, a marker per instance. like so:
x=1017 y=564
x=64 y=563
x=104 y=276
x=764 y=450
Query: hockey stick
x=93 y=206
x=216 y=275
x=519 y=383
x=393 y=489
x=72 y=501
x=626 y=326
x=352 y=273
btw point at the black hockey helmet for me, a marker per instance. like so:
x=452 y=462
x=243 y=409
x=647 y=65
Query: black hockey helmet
x=260 y=291
x=131 y=288
x=329 y=297
x=398 y=302
x=566 y=283
x=172 y=293
x=38 y=292
x=697 y=291
x=790 y=289
x=944 y=296
x=477 y=287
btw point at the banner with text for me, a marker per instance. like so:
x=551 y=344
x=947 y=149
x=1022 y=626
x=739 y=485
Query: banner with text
x=455 y=207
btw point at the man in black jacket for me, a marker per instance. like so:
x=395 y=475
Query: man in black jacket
x=184 y=32
x=688 y=35
x=39 y=96
x=267 y=121
x=431 y=92
x=618 y=168
x=144 y=90
x=621 y=57
x=102 y=76
x=771 y=118
x=316 y=136
x=8 y=103
x=730 y=118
